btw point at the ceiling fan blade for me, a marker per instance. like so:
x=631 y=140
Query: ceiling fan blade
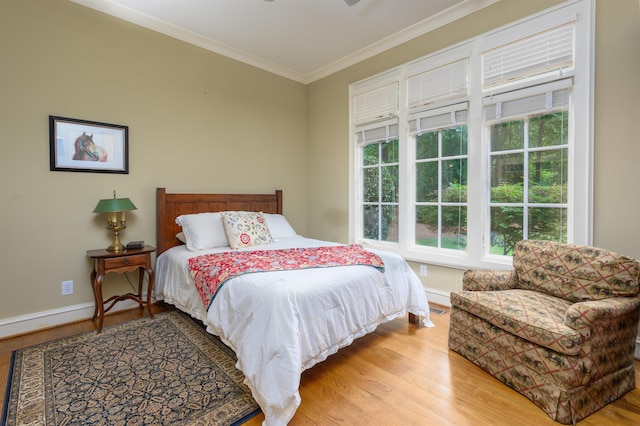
x=351 y=2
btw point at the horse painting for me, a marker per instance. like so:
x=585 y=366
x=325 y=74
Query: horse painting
x=87 y=150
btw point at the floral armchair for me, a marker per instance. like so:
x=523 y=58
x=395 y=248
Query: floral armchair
x=560 y=328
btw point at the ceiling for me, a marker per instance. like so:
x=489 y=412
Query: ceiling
x=302 y=40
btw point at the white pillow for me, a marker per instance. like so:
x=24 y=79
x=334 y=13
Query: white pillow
x=203 y=231
x=279 y=226
x=245 y=229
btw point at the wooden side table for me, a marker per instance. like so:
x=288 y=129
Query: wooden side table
x=120 y=262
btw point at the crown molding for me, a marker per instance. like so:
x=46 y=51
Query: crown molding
x=423 y=27
x=136 y=17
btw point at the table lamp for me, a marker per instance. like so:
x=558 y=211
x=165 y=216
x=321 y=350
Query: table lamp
x=115 y=208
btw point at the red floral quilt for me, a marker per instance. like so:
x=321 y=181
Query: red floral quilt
x=211 y=271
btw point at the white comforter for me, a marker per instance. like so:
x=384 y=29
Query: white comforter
x=283 y=322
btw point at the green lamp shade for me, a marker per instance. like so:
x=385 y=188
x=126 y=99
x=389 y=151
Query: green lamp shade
x=114 y=205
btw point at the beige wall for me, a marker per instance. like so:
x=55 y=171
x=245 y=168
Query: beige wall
x=202 y=122
x=198 y=122
x=617 y=146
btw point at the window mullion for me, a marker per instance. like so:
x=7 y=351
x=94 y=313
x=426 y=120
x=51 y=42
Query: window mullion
x=477 y=162
x=380 y=192
x=525 y=179
x=439 y=244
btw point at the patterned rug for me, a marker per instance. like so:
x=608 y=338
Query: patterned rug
x=162 y=371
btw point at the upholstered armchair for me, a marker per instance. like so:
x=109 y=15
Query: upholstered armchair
x=560 y=328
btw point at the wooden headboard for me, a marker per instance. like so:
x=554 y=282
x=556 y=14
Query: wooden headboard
x=170 y=206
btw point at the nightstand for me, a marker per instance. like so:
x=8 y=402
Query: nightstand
x=120 y=262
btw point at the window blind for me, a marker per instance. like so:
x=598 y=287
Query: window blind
x=378 y=132
x=439 y=84
x=539 y=100
x=376 y=104
x=454 y=115
x=537 y=54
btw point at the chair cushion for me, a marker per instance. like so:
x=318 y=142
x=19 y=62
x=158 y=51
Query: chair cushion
x=572 y=272
x=531 y=315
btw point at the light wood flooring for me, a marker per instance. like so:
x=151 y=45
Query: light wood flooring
x=398 y=375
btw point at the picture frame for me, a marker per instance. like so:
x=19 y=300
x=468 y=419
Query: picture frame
x=88 y=146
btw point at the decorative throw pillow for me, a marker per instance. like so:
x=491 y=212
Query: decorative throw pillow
x=245 y=229
x=203 y=231
x=279 y=227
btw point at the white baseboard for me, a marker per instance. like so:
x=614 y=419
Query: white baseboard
x=55 y=317
x=52 y=318
x=438 y=296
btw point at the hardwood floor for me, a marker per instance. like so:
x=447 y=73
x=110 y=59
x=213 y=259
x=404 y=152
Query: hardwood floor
x=398 y=375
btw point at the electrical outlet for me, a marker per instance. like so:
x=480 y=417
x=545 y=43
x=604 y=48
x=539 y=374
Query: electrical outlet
x=423 y=270
x=67 y=287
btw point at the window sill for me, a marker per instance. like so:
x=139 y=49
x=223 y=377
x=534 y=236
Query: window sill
x=446 y=258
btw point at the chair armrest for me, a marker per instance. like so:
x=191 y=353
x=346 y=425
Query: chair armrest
x=608 y=328
x=586 y=314
x=488 y=280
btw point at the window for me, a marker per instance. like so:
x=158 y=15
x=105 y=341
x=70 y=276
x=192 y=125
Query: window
x=441 y=179
x=460 y=154
x=528 y=157
x=380 y=183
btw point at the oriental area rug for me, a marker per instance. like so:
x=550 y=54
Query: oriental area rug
x=162 y=371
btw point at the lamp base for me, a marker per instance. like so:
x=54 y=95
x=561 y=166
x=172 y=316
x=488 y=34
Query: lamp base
x=116 y=245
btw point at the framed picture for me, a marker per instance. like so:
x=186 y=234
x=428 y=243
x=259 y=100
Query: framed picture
x=88 y=146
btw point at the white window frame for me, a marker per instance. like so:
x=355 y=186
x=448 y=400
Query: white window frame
x=580 y=230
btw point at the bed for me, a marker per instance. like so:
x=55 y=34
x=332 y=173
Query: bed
x=280 y=322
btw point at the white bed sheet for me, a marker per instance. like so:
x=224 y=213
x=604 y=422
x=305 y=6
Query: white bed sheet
x=281 y=323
